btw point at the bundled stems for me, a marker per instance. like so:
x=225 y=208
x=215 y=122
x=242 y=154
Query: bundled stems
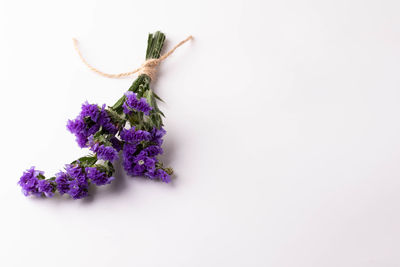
x=132 y=125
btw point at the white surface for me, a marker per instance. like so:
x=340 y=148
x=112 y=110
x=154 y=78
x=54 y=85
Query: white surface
x=283 y=128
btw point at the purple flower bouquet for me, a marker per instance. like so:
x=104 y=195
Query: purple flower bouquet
x=132 y=125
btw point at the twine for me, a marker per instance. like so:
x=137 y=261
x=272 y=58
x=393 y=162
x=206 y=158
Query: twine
x=149 y=67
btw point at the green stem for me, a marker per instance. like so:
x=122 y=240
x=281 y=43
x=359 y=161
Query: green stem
x=155 y=44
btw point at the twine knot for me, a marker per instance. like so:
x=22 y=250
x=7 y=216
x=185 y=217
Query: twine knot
x=149 y=67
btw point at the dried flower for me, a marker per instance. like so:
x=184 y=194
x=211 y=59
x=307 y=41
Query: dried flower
x=133 y=103
x=105 y=132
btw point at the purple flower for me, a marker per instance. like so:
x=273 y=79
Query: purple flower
x=81 y=139
x=89 y=121
x=29 y=182
x=77 y=181
x=137 y=164
x=116 y=143
x=133 y=136
x=105 y=152
x=75 y=172
x=72 y=182
x=143 y=106
x=90 y=110
x=158 y=174
x=62 y=181
x=106 y=122
x=33 y=182
x=46 y=187
x=157 y=135
x=98 y=177
x=152 y=151
x=163 y=176
x=78 y=189
x=132 y=102
x=143 y=164
x=76 y=126
x=126 y=108
x=128 y=153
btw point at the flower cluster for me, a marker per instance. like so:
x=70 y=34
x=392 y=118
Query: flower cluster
x=34 y=183
x=133 y=103
x=74 y=181
x=106 y=132
x=105 y=152
x=104 y=136
x=89 y=121
x=140 y=153
x=97 y=176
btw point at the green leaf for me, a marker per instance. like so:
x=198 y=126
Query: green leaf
x=87 y=161
x=118 y=105
x=156 y=96
x=162 y=114
x=170 y=171
x=98 y=133
x=106 y=167
x=115 y=117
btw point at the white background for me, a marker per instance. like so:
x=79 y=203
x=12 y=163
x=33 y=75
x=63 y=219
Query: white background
x=283 y=129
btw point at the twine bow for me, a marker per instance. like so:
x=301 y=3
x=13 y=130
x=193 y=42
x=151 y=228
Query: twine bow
x=149 y=67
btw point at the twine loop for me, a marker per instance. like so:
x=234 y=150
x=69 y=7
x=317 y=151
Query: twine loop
x=149 y=67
